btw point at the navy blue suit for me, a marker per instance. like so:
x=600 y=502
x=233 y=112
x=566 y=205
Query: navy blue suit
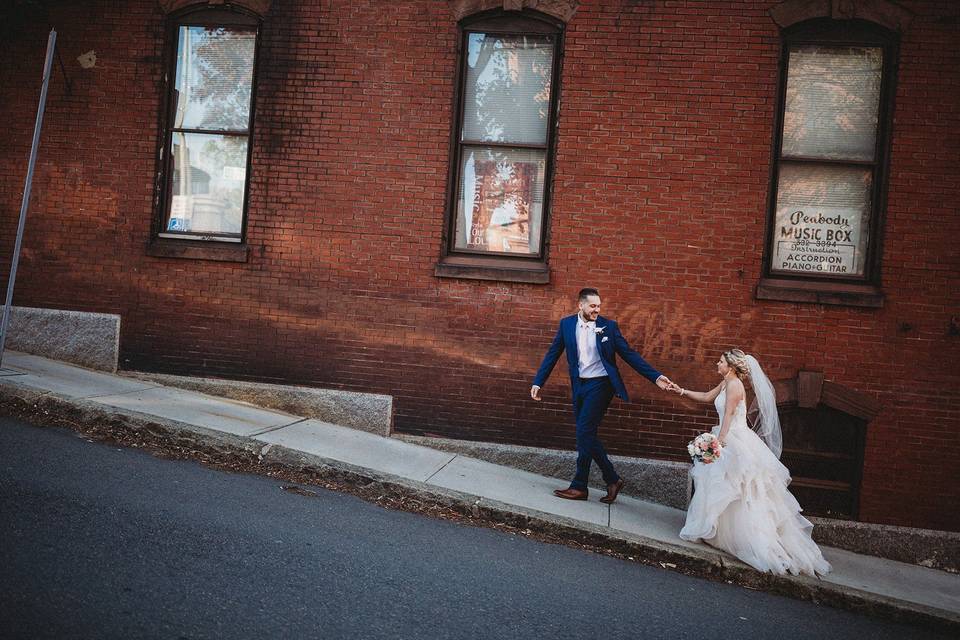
x=592 y=396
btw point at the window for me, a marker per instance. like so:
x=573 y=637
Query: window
x=829 y=169
x=205 y=153
x=502 y=149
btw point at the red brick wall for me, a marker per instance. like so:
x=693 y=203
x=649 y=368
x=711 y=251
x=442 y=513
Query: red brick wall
x=659 y=200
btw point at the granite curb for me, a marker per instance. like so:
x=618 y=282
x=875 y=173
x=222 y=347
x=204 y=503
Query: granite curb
x=368 y=412
x=666 y=483
x=48 y=407
x=659 y=481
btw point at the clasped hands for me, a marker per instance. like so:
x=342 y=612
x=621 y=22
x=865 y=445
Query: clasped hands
x=667 y=384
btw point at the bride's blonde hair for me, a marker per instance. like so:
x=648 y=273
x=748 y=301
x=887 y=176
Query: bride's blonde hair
x=737 y=360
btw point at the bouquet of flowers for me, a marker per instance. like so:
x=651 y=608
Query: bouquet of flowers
x=704 y=448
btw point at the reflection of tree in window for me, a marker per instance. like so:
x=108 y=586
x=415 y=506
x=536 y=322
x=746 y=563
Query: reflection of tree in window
x=832 y=102
x=508 y=88
x=211 y=127
x=831 y=141
x=506 y=102
x=224 y=64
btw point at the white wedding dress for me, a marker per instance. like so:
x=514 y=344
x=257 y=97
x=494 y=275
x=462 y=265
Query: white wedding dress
x=741 y=505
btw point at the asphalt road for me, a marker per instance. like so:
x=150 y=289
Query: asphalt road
x=102 y=542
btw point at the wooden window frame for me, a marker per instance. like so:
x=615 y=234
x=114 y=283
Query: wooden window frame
x=461 y=263
x=860 y=291
x=201 y=246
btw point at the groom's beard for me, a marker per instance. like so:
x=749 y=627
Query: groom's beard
x=587 y=317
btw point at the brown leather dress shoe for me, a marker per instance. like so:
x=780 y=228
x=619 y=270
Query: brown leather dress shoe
x=612 y=491
x=570 y=494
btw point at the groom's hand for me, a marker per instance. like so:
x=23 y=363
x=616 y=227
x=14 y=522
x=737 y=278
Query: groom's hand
x=664 y=382
x=535 y=393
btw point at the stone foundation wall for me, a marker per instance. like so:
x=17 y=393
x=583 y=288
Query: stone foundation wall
x=90 y=340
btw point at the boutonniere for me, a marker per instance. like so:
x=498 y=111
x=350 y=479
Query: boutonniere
x=598 y=330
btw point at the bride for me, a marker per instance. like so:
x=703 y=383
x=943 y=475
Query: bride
x=741 y=503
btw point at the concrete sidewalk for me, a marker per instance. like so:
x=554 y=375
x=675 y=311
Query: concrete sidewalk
x=630 y=526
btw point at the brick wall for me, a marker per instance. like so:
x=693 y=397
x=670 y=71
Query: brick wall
x=659 y=200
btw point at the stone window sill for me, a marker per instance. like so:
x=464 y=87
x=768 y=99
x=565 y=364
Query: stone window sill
x=835 y=293
x=492 y=268
x=198 y=250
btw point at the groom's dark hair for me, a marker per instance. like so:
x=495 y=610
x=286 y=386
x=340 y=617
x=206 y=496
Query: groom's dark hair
x=586 y=293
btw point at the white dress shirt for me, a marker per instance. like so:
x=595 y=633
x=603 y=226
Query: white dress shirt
x=588 y=355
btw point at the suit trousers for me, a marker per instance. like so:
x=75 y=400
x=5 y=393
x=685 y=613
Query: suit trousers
x=590 y=402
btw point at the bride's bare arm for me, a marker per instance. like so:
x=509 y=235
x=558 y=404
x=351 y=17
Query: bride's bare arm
x=701 y=396
x=735 y=394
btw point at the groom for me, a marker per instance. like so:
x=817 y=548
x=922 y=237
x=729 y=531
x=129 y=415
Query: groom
x=592 y=344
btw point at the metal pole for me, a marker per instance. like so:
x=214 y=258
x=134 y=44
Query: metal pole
x=51 y=46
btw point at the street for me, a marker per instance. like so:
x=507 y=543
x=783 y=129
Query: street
x=107 y=542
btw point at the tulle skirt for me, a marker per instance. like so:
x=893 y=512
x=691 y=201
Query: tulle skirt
x=741 y=505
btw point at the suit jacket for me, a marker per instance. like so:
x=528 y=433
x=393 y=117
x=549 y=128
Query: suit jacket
x=610 y=343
